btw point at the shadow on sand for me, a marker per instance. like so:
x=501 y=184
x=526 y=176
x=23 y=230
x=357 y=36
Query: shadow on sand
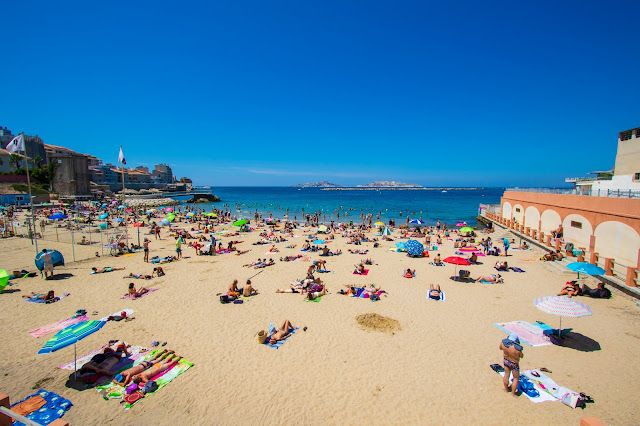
x=577 y=341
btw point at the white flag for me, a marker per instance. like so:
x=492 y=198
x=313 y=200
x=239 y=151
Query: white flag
x=16 y=144
x=121 y=157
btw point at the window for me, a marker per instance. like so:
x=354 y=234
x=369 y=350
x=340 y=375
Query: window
x=625 y=136
x=636 y=176
x=19 y=198
x=575 y=224
x=518 y=210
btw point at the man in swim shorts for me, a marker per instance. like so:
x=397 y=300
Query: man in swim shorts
x=512 y=353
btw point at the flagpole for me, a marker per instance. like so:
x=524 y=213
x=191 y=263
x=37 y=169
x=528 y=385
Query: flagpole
x=126 y=228
x=33 y=215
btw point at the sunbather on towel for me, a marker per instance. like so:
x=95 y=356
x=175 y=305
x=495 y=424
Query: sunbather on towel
x=571 y=288
x=511 y=356
x=158 y=271
x=367 y=261
x=501 y=266
x=409 y=273
x=167 y=259
x=437 y=260
x=359 y=269
x=104 y=362
x=141 y=378
x=136 y=293
x=599 y=293
x=125 y=377
x=311 y=295
x=105 y=270
x=434 y=292
x=282 y=333
x=138 y=276
x=493 y=278
x=41 y=296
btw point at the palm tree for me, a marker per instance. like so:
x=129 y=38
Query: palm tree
x=38 y=160
x=15 y=159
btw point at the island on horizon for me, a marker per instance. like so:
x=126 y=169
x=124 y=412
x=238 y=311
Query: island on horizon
x=376 y=184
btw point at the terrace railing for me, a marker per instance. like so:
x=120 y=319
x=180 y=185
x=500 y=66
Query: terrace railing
x=614 y=193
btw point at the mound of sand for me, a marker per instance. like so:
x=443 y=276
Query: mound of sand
x=377 y=322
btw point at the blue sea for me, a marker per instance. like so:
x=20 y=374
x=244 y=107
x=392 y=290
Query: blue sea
x=450 y=207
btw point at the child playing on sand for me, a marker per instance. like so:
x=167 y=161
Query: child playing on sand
x=512 y=353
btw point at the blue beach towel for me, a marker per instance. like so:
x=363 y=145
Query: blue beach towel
x=279 y=342
x=55 y=408
x=322 y=271
x=516 y=269
x=442 y=264
x=55 y=299
x=442 y=297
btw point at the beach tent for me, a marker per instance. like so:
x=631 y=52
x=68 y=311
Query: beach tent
x=400 y=246
x=163 y=222
x=56 y=258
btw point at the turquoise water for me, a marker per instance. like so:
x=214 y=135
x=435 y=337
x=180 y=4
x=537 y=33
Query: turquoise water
x=449 y=207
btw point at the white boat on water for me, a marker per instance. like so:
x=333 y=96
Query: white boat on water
x=444 y=191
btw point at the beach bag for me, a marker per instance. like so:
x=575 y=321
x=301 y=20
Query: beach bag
x=262 y=336
x=374 y=297
x=150 y=386
x=571 y=399
x=130 y=399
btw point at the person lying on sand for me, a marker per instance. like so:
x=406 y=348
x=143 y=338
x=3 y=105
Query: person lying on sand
x=367 y=261
x=571 y=288
x=136 y=293
x=105 y=270
x=409 y=273
x=282 y=333
x=257 y=262
x=125 y=377
x=434 y=292
x=104 y=362
x=501 y=266
x=265 y=264
x=493 y=278
x=551 y=256
x=158 y=271
x=167 y=259
x=40 y=296
x=359 y=269
x=311 y=295
x=142 y=378
x=300 y=286
x=138 y=277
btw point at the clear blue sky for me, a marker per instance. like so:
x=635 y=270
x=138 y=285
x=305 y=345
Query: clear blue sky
x=283 y=92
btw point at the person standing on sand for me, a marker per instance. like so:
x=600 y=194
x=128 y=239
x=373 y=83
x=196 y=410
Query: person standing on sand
x=505 y=242
x=145 y=244
x=178 y=247
x=48 y=264
x=511 y=356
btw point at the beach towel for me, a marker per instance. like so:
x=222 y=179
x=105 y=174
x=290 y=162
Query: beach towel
x=404 y=274
x=442 y=297
x=528 y=333
x=539 y=395
x=113 y=390
x=57 y=298
x=366 y=271
x=322 y=271
x=434 y=264
x=279 y=342
x=57 y=326
x=546 y=384
x=317 y=299
x=128 y=296
x=488 y=282
x=55 y=406
x=548 y=330
x=115 y=314
x=135 y=351
x=514 y=269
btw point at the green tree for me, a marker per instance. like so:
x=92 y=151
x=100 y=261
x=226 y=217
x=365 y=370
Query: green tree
x=15 y=160
x=38 y=160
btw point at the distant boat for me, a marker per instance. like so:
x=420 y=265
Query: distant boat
x=444 y=191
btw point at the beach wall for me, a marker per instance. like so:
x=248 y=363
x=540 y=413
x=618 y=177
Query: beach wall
x=609 y=227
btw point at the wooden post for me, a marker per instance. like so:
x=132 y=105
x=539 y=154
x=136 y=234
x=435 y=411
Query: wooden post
x=4 y=402
x=580 y=258
x=608 y=266
x=527 y=231
x=541 y=237
x=632 y=274
x=534 y=234
x=548 y=241
x=594 y=258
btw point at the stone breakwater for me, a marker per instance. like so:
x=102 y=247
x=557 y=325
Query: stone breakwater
x=382 y=188
x=151 y=202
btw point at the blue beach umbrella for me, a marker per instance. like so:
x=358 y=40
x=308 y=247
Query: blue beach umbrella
x=58 y=216
x=414 y=248
x=400 y=246
x=163 y=222
x=586 y=268
x=103 y=206
x=103 y=226
x=117 y=219
x=319 y=242
x=120 y=207
x=417 y=222
x=56 y=258
x=103 y=216
x=70 y=336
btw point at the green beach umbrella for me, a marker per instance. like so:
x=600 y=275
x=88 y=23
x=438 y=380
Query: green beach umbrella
x=466 y=229
x=170 y=217
x=386 y=231
x=4 y=279
x=70 y=336
x=240 y=222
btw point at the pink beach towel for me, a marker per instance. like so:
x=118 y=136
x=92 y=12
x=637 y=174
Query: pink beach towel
x=128 y=296
x=56 y=326
x=366 y=271
x=527 y=332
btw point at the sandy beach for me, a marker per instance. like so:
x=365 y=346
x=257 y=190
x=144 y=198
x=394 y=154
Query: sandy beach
x=434 y=369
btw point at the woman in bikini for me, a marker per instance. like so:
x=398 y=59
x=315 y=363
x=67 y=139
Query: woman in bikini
x=434 y=292
x=493 y=278
x=160 y=367
x=571 y=288
x=125 y=377
x=41 y=296
x=136 y=293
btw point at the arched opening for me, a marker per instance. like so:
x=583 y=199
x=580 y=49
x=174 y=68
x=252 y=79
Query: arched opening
x=532 y=218
x=618 y=241
x=577 y=230
x=549 y=221
x=506 y=210
x=518 y=213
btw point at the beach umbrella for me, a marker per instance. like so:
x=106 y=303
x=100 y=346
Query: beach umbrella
x=163 y=222
x=56 y=258
x=457 y=260
x=322 y=228
x=58 y=216
x=386 y=231
x=169 y=209
x=138 y=224
x=417 y=222
x=586 y=268
x=240 y=222
x=129 y=210
x=469 y=249
x=103 y=216
x=466 y=229
x=117 y=219
x=414 y=248
x=379 y=224
x=190 y=214
x=4 y=279
x=461 y=224
x=170 y=217
x=319 y=242
x=562 y=306
x=70 y=336
x=400 y=246
x=103 y=226
x=120 y=207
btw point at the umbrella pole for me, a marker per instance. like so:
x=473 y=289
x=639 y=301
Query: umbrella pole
x=138 y=236
x=75 y=360
x=73 y=249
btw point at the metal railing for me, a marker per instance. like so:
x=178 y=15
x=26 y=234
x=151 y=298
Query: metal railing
x=613 y=193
